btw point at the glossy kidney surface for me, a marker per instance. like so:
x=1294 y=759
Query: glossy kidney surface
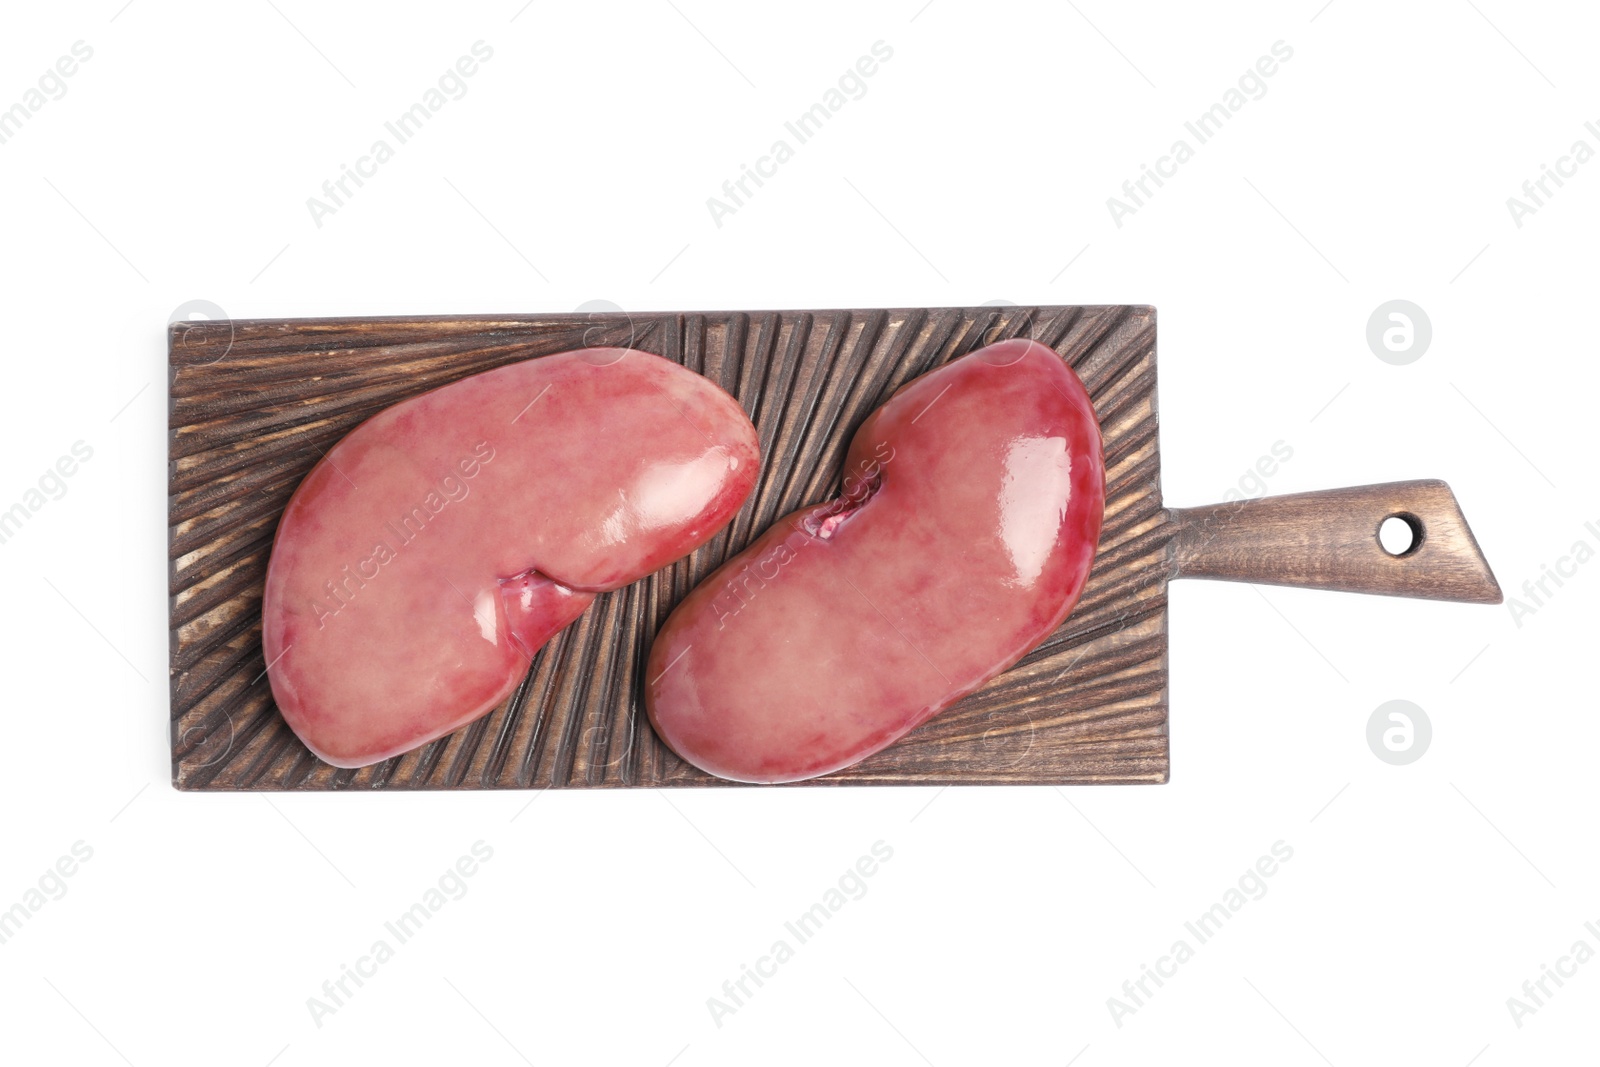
x=435 y=548
x=964 y=534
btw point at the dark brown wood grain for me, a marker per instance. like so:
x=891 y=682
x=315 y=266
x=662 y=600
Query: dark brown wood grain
x=255 y=404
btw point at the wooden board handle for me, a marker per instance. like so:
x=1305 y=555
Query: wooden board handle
x=1329 y=540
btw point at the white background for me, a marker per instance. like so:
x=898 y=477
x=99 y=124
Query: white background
x=977 y=166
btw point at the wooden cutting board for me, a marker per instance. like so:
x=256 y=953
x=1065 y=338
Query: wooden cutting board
x=255 y=404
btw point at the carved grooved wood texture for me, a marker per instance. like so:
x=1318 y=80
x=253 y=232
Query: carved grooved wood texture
x=254 y=404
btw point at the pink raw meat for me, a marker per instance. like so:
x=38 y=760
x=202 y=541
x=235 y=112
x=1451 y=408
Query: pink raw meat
x=435 y=548
x=972 y=508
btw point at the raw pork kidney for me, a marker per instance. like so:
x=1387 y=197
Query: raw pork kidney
x=968 y=523
x=436 y=547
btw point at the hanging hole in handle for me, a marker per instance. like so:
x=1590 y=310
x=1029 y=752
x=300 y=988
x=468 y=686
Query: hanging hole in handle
x=1400 y=535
